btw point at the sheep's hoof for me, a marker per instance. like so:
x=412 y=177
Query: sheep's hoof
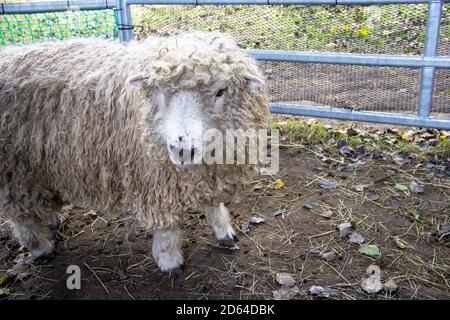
x=228 y=241
x=177 y=272
x=44 y=249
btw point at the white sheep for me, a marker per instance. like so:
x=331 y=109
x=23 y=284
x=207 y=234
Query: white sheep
x=102 y=125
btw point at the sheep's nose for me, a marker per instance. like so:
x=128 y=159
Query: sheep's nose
x=181 y=154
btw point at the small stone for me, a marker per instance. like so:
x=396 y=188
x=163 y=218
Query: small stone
x=314 y=251
x=356 y=238
x=390 y=286
x=285 y=293
x=394 y=204
x=373 y=195
x=256 y=220
x=285 y=279
x=372 y=284
x=308 y=206
x=416 y=188
x=345 y=229
x=279 y=212
x=327 y=214
x=245 y=227
x=445 y=230
x=328 y=184
x=323 y=292
x=329 y=256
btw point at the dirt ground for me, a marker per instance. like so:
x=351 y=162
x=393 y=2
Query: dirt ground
x=116 y=263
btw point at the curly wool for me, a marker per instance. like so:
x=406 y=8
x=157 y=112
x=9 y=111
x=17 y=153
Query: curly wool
x=73 y=130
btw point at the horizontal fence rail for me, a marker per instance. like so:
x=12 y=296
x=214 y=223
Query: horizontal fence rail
x=428 y=62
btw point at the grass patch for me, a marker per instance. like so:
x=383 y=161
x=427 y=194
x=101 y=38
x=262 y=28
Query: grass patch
x=302 y=132
x=442 y=149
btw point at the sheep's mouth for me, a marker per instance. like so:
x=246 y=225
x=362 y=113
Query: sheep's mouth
x=184 y=156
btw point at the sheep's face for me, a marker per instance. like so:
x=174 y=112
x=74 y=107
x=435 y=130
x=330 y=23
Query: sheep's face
x=186 y=118
x=198 y=84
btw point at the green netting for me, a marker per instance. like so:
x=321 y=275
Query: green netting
x=28 y=28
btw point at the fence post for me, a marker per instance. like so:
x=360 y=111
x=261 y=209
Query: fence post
x=124 y=20
x=430 y=50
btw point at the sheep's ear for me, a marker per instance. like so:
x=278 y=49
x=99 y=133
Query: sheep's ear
x=253 y=82
x=137 y=81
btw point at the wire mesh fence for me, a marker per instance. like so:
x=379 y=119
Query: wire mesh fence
x=344 y=86
x=395 y=29
x=441 y=94
x=375 y=29
x=444 y=39
x=29 y=28
x=382 y=29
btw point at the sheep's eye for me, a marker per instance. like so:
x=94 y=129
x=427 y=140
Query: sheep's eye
x=220 y=93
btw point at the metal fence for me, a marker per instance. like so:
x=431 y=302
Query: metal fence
x=424 y=65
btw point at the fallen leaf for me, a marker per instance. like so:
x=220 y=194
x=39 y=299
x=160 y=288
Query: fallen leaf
x=345 y=229
x=360 y=187
x=328 y=184
x=285 y=293
x=285 y=279
x=19 y=271
x=361 y=150
x=347 y=152
x=369 y=249
x=4 y=279
x=323 y=292
x=308 y=206
x=22 y=267
x=121 y=275
x=356 y=238
x=327 y=214
x=401 y=243
x=390 y=286
x=63 y=216
x=314 y=251
x=341 y=143
x=400 y=187
x=417 y=214
x=428 y=237
x=399 y=160
x=279 y=184
x=279 y=212
x=372 y=284
x=416 y=188
x=245 y=227
x=256 y=220
x=373 y=195
x=5 y=291
x=445 y=230
x=329 y=256
x=394 y=204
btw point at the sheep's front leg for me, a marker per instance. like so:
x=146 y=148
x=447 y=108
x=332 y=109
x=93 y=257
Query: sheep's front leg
x=33 y=234
x=167 y=249
x=219 y=220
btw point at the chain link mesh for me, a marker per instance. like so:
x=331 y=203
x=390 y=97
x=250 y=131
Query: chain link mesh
x=387 y=29
x=384 y=29
x=29 y=28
